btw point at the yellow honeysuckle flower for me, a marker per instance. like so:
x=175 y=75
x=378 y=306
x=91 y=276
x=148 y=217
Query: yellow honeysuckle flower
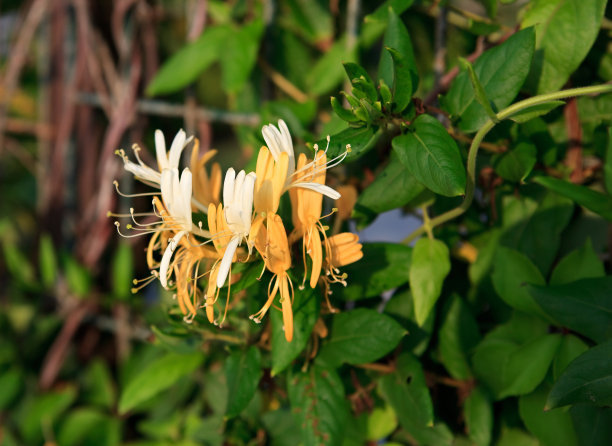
x=271 y=242
x=206 y=189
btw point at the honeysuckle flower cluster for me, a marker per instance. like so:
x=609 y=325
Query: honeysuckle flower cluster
x=195 y=261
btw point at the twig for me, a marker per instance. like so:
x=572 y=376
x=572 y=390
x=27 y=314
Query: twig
x=160 y=108
x=282 y=82
x=18 y=57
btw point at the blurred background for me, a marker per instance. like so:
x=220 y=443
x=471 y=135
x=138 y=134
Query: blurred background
x=83 y=78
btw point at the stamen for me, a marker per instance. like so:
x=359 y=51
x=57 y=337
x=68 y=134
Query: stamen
x=144 y=194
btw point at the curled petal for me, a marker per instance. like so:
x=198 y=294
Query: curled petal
x=226 y=262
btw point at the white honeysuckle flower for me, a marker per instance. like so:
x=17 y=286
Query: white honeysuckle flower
x=278 y=140
x=165 y=160
x=176 y=194
x=238 y=210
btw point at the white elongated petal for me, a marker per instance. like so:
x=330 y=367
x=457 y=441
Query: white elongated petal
x=287 y=146
x=165 y=262
x=269 y=133
x=320 y=188
x=166 y=187
x=237 y=198
x=228 y=186
x=160 y=150
x=186 y=187
x=176 y=149
x=226 y=262
x=247 y=198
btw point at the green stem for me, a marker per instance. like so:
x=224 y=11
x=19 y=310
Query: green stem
x=486 y=128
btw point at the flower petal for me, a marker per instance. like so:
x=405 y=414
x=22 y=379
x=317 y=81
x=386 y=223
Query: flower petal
x=176 y=149
x=160 y=150
x=226 y=262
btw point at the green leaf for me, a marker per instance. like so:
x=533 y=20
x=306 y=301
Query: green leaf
x=402 y=81
x=533 y=222
x=478 y=413
x=384 y=266
x=77 y=276
x=97 y=387
x=43 y=410
x=457 y=336
x=47 y=261
x=608 y=163
x=189 y=62
x=516 y=164
x=11 y=383
x=556 y=58
x=89 y=426
x=582 y=263
x=490 y=6
x=429 y=267
x=501 y=70
x=382 y=421
x=343 y=113
x=587 y=379
x=513 y=358
x=360 y=336
x=595 y=201
x=319 y=405
x=397 y=66
x=306 y=305
x=375 y=24
x=516 y=437
x=238 y=54
x=571 y=347
x=122 y=271
x=375 y=199
x=583 y=306
x=511 y=272
x=361 y=141
x=432 y=156
x=401 y=308
x=406 y=391
x=529 y=113
x=593 y=424
x=312 y=20
x=552 y=428
x=243 y=372
x=328 y=71
x=157 y=376
x=361 y=81
x=479 y=92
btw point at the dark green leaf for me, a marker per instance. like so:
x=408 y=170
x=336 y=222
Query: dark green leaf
x=89 y=426
x=429 y=267
x=376 y=197
x=397 y=66
x=77 y=276
x=406 y=391
x=47 y=261
x=501 y=70
x=516 y=164
x=157 y=376
x=583 y=306
x=189 y=62
x=582 y=263
x=305 y=313
x=533 y=224
x=593 y=424
x=608 y=164
x=361 y=81
x=595 y=201
x=512 y=271
x=555 y=20
x=553 y=427
x=457 y=336
x=571 y=347
x=516 y=437
x=479 y=92
x=527 y=114
x=98 y=388
x=360 y=336
x=345 y=114
x=319 y=406
x=122 y=271
x=478 y=412
x=361 y=141
x=376 y=23
x=243 y=372
x=384 y=266
x=11 y=383
x=587 y=379
x=401 y=308
x=432 y=156
x=514 y=358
